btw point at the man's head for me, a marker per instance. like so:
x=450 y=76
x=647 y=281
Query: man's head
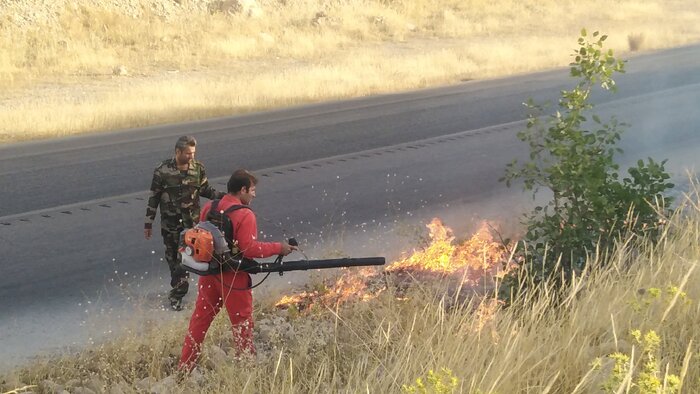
x=185 y=149
x=242 y=185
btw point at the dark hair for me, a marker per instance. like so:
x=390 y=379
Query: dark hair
x=240 y=179
x=185 y=141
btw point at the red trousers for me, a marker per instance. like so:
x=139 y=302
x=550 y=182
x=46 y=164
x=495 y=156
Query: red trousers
x=215 y=291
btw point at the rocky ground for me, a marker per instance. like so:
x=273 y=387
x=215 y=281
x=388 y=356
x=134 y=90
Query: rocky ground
x=30 y=13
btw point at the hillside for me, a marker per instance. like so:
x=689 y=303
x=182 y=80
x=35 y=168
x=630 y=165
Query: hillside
x=75 y=66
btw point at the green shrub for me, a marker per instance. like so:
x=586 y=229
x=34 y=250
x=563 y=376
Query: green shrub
x=572 y=154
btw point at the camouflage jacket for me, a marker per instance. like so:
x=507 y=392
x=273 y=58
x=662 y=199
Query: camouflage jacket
x=177 y=193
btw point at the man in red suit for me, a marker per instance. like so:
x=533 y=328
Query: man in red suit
x=230 y=288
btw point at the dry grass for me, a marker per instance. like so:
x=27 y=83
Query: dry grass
x=387 y=342
x=58 y=77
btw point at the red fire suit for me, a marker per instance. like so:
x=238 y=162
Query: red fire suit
x=217 y=290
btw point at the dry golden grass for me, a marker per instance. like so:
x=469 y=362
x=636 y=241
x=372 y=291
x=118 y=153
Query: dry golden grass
x=560 y=342
x=58 y=78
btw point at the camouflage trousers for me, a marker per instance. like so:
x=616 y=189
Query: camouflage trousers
x=178 y=276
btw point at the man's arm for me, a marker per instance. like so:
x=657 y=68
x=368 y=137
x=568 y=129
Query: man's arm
x=247 y=236
x=205 y=189
x=153 y=202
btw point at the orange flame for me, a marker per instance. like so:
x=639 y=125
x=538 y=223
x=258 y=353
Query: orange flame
x=478 y=257
x=346 y=288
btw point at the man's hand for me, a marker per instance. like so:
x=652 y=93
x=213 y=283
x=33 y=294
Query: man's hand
x=287 y=248
x=147 y=233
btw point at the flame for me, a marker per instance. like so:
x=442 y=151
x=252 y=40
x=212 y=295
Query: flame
x=478 y=257
x=350 y=286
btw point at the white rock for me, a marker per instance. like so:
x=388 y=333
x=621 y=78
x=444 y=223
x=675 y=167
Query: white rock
x=167 y=385
x=145 y=384
x=319 y=19
x=120 y=71
x=96 y=384
x=49 y=386
x=82 y=390
x=216 y=356
x=120 y=388
x=246 y=7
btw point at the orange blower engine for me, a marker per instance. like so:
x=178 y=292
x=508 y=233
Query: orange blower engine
x=201 y=245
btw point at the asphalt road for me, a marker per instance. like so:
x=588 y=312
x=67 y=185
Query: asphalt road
x=352 y=177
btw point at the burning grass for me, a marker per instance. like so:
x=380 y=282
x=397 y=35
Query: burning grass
x=630 y=321
x=468 y=265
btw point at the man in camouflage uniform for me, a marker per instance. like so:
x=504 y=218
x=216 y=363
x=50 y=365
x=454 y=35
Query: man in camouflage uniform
x=177 y=184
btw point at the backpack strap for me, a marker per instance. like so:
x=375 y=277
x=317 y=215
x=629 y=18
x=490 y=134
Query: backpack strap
x=228 y=225
x=213 y=208
x=224 y=219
